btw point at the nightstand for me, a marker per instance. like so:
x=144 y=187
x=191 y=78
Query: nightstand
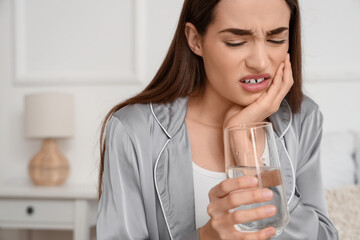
x=68 y=207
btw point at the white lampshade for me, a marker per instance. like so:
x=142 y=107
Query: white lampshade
x=49 y=115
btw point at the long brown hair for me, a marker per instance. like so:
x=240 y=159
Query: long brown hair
x=182 y=72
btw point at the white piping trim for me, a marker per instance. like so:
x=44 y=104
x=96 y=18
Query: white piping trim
x=287 y=128
x=153 y=113
x=293 y=172
x=291 y=164
x=157 y=190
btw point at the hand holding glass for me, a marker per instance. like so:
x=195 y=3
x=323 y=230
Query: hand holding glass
x=250 y=150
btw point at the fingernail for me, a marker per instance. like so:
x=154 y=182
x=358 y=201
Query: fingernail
x=270 y=232
x=270 y=210
x=267 y=194
x=253 y=180
x=288 y=56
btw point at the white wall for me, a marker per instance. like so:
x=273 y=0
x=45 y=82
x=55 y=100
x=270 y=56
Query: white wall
x=87 y=48
x=113 y=81
x=93 y=96
x=331 y=58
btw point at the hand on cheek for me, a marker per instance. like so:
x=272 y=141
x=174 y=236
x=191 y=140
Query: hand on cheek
x=268 y=103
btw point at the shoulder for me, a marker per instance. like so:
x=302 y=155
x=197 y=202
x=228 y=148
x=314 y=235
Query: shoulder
x=308 y=122
x=284 y=119
x=309 y=111
x=135 y=128
x=308 y=106
x=133 y=114
x=133 y=119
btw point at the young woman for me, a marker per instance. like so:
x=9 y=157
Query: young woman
x=162 y=165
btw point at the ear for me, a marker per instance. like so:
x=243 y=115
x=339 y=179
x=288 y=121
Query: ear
x=193 y=39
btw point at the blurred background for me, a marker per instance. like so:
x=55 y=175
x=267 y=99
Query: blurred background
x=102 y=52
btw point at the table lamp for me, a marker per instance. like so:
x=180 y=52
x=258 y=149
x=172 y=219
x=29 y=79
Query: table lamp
x=49 y=116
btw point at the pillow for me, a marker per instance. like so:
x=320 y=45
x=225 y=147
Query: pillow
x=344 y=211
x=338 y=164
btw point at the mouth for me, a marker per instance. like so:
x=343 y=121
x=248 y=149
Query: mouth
x=253 y=81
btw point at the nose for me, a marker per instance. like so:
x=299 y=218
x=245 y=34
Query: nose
x=258 y=58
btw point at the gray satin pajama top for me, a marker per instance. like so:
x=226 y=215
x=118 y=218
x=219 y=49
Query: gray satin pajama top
x=148 y=190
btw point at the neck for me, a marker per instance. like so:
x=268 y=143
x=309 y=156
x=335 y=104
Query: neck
x=208 y=108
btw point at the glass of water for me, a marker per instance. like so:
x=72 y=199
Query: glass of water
x=250 y=150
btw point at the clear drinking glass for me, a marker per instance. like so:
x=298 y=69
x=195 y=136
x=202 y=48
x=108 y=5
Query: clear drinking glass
x=250 y=150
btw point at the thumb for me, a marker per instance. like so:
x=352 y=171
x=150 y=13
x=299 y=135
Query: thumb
x=232 y=116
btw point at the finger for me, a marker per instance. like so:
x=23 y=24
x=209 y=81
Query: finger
x=288 y=69
x=230 y=117
x=235 y=199
x=263 y=234
x=289 y=72
x=266 y=101
x=232 y=184
x=275 y=86
x=220 y=207
x=288 y=80
x=249 y=215
x=277 y=80
x=232 y=233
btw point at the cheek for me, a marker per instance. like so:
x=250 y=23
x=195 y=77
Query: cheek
x=219 y=61
x=278 y=56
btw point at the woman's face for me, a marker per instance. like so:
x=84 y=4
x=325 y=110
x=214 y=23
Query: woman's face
x=248 y=39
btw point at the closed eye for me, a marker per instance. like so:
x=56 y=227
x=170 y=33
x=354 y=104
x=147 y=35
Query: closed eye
x=277 y=42
x=234 y=44
x=242 y=43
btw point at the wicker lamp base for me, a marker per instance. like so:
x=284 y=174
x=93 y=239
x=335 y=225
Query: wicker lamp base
x=49 y=167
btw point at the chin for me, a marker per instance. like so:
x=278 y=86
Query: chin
x=248 y=101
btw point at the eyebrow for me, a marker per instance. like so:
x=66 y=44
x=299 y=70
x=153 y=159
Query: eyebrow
x=245 y=32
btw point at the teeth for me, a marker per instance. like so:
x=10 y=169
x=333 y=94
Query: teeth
x=254 y=81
